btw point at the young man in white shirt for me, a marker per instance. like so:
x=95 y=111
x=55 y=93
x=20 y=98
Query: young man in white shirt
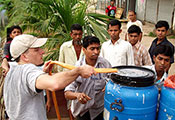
x=117 y=51
x=134 y=21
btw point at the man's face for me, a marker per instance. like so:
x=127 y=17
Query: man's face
x=114 y=32
x=161 y=62
x=161 y=33
x=112 y=3
x=76 y=35
x=92 y=51
x=131 y=16
x=15 y=33
x=133 y=38
x=34 y=56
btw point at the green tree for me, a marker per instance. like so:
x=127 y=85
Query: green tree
x=53 y=19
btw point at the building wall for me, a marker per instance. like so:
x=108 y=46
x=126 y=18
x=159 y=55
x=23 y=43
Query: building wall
x=140 y=9
x=154 y=10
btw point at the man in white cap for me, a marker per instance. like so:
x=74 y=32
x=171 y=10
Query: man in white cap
x=24 y=83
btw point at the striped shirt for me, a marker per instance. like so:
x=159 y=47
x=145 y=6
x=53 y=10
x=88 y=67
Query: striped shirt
x=141 y=55
x=92 y=87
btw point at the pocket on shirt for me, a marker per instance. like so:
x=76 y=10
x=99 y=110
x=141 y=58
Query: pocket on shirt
x=99 y=84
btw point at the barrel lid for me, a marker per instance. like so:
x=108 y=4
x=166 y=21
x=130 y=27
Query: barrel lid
x=133 y=76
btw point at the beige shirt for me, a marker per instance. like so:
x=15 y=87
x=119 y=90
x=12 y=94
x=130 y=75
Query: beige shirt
x=141 y=55
x=68 y=55
x=120 y=53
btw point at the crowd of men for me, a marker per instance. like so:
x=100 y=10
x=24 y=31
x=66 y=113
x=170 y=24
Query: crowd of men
x=25 y=82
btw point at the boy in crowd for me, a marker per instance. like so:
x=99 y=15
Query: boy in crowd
x=117 y=51
x=133 y=21
x=161 y=32
x=161 y=57
x=111 y=9
x=141 y=55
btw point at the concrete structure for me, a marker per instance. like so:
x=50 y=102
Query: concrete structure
x=147 y=10
x=154 y=10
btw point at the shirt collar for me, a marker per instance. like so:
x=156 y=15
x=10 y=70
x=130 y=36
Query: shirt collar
x=83 y=61
x=70 y=43
x=165 y=40
x=137 y=45
x=117 y=42
x=163 y=76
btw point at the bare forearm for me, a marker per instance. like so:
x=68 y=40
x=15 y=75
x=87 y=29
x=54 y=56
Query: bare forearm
x=70 y=95
x=61 y=80
x=57 y=81
x=5 y=64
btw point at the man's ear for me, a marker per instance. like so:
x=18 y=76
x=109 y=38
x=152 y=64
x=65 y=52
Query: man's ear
x=154 y=58
x=84 y=49
x=120 y=30
x=24 y=57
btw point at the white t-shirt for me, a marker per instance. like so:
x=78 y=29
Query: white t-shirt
x=137 y=22
x=22 y=100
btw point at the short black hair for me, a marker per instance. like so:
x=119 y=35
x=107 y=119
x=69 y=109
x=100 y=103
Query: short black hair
x=10 y=29
x=112 y=0
x=162 y=23
x=114 y=22
x=163 y=49
x=134 y=29
x=76 y=27
x=133 y=11
x=88 y=40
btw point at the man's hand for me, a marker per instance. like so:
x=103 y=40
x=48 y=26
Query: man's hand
x=86 y=71
x=83 y=98
x=47 y=67
x=5 y=70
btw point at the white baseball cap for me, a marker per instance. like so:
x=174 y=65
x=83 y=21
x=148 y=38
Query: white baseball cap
x=23 y=42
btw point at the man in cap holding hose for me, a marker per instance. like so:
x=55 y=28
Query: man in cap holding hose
x=25 y=82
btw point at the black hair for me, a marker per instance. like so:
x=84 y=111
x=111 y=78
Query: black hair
x=88 y=40
x=114 y=22
x=133 y=11
x=163 y=49
x=134 y=29
x=112 y=0
x=162 y=23
x=10 y=29
x=76 y=27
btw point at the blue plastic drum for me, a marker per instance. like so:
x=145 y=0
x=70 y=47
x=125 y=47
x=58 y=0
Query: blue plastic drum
x=131 y=95
x=167 y=104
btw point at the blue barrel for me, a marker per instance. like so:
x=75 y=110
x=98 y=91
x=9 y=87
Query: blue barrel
x=130 y=94
x=167 y=104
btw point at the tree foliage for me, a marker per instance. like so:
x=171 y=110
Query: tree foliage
x=53 y=19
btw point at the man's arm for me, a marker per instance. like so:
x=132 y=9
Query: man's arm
x=146 y=58
x=5 y=66
x=130 y=55
x=61 y=80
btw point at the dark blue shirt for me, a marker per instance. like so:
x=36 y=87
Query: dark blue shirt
x=164 y=42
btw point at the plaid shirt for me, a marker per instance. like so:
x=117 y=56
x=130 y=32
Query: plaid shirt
x=141 y=55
